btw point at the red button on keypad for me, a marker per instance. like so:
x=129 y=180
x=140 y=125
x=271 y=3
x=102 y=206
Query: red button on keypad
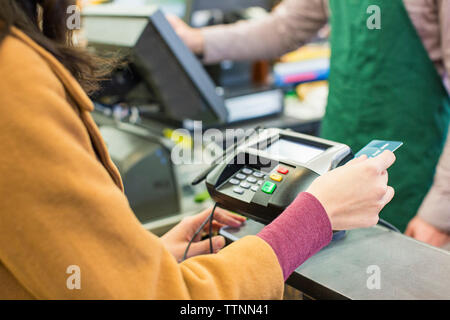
x=282 y=170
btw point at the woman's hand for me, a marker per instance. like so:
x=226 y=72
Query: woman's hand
x=192 y=37
x=177 y=239
x=353 y=195
x=421 y=230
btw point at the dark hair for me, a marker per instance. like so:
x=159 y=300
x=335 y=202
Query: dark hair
x=45 y=22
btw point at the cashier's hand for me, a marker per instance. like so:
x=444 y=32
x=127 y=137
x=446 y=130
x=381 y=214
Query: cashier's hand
x=192 y=37
x=353 y=195
x=177 y=239
x=421 y=230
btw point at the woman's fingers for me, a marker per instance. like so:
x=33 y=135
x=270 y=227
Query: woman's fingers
x=215 y=227
x=356 y=160
x=227 y=218
x=203 y=247
x=198 y=219
x=222 y=218
x=236 y=216
x=384 y=177
x=388 y=196
x=384 y=160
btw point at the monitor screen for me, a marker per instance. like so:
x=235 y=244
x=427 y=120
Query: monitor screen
x=294 y=150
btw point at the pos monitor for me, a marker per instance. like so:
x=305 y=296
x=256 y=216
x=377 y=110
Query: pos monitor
x=177 y=78
x=179 y=81
x=182 y=87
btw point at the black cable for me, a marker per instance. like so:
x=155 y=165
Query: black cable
x=200 y=229
x=211 y=218
x=386 y=224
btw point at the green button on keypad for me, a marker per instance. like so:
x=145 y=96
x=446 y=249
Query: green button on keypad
x=268 y=187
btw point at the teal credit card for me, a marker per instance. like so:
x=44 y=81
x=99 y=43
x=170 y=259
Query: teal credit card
x=376 y=147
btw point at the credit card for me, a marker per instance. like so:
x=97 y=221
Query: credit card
x=376 y=147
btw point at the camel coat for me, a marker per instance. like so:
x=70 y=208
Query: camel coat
x=62 y=204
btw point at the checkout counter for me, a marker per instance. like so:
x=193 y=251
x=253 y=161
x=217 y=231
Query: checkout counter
x=408 y=268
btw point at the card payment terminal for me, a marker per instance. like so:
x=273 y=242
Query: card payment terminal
x=267 y=172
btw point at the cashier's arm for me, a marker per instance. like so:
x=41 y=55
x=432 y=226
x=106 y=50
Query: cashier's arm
x=289 y=25
x=432 y=223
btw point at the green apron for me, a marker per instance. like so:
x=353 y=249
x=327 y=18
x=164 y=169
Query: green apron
x=384 y=86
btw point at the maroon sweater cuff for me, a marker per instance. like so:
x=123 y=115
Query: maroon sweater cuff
x=298 y=233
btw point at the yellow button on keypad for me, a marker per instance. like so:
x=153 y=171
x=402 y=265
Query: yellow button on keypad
x=276 y=177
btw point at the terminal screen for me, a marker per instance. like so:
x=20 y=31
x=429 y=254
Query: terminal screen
x=294 y=150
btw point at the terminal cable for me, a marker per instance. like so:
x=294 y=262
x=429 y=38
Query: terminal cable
x=386 y=224
x=209 y=219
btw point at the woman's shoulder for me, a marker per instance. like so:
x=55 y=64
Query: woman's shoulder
x=29 y=89
x=22 y=61
x=26 y=61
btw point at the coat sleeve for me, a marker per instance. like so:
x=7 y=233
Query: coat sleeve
x=60 y=208
x=287 y=27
